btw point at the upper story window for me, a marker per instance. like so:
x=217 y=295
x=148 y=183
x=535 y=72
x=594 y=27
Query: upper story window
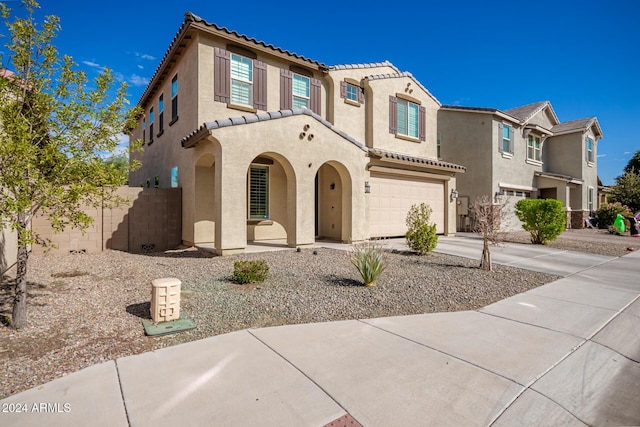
x=160 y=115
x=241 y=80
x=506 y=139
x=301 y=91
x=438 y=144
x=351 y=92
x=151 y=125
x=407 y=118
x=144 y=130
x=174 y=98
x=534 y=148
x=590 y=151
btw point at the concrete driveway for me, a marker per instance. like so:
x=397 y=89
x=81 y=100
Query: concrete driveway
x=564 y=354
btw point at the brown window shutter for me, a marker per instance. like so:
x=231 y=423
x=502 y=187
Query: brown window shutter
x=360 y=95
x=259 y=85
x=422 y=124
x=286 y=89
x=222 y=75
x=393 y=114
x=316 y=94
x=343 y=89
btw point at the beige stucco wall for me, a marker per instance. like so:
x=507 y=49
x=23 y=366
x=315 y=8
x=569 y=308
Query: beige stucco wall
x=514 y=171
x=347 y=115
x=8 y=248
x=234 y=149
x=544 y=118
x=377 y=94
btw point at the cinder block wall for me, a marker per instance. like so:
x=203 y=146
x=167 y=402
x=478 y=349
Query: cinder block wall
x=150 y=220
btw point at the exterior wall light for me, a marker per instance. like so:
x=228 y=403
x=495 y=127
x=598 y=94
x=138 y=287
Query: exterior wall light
x=454 y=194
x=367 y=187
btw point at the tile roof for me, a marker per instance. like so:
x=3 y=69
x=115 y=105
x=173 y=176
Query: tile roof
x=362 y=66
x=192 y=139
x=577 y=125
x=482 y=110
x=567 y=178
x=526 y=112
x=189 y=20
x=401 y=75
x=413 y=159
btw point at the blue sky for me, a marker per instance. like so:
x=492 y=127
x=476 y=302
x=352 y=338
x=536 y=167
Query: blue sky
x=582 y=55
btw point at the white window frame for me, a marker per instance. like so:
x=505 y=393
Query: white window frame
x=404 y=121
x=534 y=154
x=304 y=99
x=507 y=140
x=250 y=196
x=590 y=152
x=590 y=199
x=238 y=81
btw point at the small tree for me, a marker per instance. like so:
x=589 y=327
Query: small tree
x=421 y=235
x=489 y=218
x=626 y=190
x=544 y=219
x=54 y=131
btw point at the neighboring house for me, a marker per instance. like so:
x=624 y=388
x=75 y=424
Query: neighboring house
x=267 y=144
x=524 y=152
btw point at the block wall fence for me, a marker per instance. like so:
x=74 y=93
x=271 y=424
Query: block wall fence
x=150 y=220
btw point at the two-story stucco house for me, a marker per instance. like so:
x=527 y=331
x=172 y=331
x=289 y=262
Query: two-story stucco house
x=524 y=152
x=268 y=144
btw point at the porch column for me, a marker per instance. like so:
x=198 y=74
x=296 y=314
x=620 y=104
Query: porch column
x=305 y=211
x=230 y=207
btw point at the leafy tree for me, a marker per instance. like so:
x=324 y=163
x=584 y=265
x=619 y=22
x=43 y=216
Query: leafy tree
x=53 y=125
x=421 y=235
x=634 y=163
x=626 y=190
x=120 y=162
x=544 y=219
x=489 y=217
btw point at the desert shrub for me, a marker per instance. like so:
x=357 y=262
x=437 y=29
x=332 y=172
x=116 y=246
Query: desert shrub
x=369 y=259
x=606 y=214
x=544 y=219
x=250 y=271
x=421 y=235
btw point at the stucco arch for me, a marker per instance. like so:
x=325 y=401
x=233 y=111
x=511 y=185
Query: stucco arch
x=204 y=199
x=334 y=210
x=282 y=201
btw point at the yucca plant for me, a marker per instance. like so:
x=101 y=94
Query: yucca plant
x=369 y=259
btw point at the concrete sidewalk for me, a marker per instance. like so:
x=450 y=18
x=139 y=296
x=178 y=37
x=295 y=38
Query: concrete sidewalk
x=567 y=353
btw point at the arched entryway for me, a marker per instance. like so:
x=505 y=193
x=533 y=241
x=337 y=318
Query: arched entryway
x=271 y=201
x=204 y=227
x=333 y=202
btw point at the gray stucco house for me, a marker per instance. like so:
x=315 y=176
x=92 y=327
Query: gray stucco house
x=523 y=152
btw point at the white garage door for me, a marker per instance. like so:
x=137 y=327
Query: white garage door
x=391 y=198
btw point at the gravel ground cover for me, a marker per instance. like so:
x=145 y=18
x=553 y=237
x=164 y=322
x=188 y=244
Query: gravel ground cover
x=87 y=308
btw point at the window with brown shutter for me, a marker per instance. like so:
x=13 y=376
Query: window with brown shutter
x=222 y=75
x=286 y=89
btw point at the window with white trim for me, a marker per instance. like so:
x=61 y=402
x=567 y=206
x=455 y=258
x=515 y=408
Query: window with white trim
x=590 y=197
x=241 y=80
x=301 y=91
x=590 y=149
x=408 y=113
x=505 y=145
x=258 y=192
x=534 y=148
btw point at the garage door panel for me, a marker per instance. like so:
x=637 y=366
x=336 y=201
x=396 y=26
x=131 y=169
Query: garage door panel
x=391 y=198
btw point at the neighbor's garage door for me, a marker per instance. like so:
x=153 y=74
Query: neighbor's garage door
x=390 y=200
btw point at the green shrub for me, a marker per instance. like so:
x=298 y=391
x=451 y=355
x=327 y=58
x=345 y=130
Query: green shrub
x=606 y=214
x=421 y=236
x=370 y=260
x=544 y=219
x=250 y=271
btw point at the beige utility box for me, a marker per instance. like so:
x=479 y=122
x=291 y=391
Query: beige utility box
x=165 y=299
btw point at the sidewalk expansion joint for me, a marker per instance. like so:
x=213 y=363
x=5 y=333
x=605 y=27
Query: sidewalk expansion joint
x=124 y=404
x=299 y=370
